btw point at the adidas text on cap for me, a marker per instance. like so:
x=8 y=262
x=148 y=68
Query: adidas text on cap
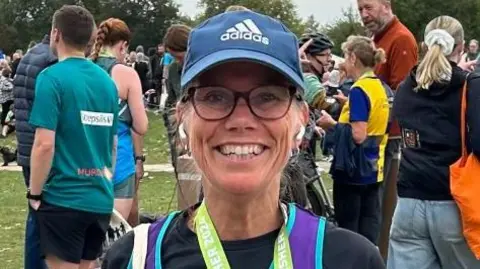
x=242 y=35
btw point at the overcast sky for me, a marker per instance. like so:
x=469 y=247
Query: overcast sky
x=325 y=11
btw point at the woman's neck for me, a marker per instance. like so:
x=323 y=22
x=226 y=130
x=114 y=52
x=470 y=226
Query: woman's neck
x=455 y=58
x=360 y=72
x=245 y=217
x=108 y=51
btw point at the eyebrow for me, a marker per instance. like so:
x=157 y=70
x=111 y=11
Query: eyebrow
x=276 y=78
x=271 y=77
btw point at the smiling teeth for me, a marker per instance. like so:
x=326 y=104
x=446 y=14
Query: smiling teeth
x=241 y=150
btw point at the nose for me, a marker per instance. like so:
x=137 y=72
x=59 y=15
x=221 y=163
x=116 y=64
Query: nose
x=241 y=119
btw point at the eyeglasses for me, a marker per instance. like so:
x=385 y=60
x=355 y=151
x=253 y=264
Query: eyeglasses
x=325 y=54
x=265 y=102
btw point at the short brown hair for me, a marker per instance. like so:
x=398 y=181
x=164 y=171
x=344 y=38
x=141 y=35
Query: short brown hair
x=6 y=72
x=109 y=33
x=364 y=49
x=176 y=38
x=76 y=24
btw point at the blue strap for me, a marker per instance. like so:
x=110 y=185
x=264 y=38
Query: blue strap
x=322 y=223
x=130 y=265
x=161 y=235
x=292 y=213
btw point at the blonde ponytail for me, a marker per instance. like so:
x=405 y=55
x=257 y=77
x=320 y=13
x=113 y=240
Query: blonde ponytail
x=443 y=35
x=434 y=67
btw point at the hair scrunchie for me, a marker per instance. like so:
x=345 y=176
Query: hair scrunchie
x=441 y=38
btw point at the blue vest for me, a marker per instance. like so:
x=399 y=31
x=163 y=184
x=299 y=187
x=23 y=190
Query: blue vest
x=125 y=162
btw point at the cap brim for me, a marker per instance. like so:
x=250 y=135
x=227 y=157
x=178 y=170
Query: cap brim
x=231 y=55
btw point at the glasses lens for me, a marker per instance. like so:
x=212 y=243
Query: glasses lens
x=270 y=102
x=213 y=102
x=266 y=102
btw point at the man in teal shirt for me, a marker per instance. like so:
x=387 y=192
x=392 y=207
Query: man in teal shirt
x=75 y=115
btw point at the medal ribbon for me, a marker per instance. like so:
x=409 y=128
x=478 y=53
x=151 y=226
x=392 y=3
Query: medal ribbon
x=212 y=250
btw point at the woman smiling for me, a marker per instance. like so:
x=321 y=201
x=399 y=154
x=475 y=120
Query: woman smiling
x=241 y=116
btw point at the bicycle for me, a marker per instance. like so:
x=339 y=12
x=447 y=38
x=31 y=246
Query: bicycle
x=319 y=200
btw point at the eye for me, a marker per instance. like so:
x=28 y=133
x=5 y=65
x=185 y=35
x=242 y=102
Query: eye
x=213 y=96
x=266 y=96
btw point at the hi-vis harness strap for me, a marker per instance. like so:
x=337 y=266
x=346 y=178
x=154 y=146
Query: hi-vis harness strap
x=140 y=245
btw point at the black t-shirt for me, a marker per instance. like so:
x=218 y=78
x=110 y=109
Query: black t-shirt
x=180 y=250
x=142 y=71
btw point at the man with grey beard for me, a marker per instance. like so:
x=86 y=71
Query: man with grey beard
x=401 y=50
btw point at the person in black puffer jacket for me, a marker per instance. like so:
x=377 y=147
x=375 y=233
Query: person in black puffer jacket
x=37 y=59
x=426 y=229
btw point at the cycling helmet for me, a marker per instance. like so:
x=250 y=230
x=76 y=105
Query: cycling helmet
x=320 y=42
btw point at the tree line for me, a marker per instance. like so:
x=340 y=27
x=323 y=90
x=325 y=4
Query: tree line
x=415 y=14
x=23 y=21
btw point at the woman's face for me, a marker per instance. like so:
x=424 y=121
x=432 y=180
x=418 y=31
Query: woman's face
x=132 y=57
x=242 y=153
x=473 y=47
x=349 y=65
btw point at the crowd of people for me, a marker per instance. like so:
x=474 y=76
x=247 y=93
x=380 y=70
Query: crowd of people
x=248 y=101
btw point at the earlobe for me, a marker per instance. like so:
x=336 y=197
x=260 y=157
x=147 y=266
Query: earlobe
x=300 y=134
x=55 y=35
x=181 y=132
x=183 y=138
x=305 y=113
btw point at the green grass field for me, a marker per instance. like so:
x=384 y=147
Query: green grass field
x=156 y=143
x=156 y=190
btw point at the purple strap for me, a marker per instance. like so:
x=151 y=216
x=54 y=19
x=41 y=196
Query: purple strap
x=153 y=232
x=303 y=239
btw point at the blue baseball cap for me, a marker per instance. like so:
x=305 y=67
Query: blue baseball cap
x=242 y=35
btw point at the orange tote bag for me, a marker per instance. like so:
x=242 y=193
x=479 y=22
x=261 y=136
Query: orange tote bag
x=465 y=187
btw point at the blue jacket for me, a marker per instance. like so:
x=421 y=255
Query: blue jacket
x=37 y=59
x=350 y=163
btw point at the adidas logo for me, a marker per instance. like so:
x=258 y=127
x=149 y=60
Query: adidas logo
x=246 y=30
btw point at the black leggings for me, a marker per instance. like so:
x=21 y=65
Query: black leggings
x=357 y=208
x=5 y=109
